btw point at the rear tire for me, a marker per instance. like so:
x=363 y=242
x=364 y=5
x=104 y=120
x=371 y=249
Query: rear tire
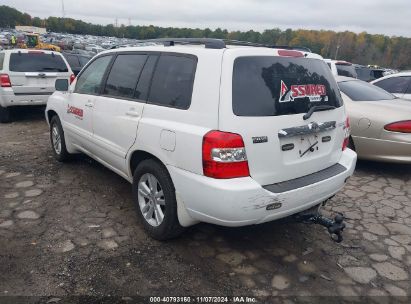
x=57 y=139
x=155 y=200
x=5 y=115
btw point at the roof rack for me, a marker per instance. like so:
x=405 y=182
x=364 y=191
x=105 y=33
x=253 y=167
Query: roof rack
x=209 y=43
x=213 y=43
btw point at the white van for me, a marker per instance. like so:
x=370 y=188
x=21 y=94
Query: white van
x=27 y=77
x=229 y=135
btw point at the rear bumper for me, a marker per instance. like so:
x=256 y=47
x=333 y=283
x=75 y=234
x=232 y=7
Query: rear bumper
x=242 y=201
x=9 y=99
x=397 y=151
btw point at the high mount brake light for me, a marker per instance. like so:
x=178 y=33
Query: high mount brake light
x=224 y=155
x=5 y=81
x=399 y=126
x=290 y=53
x=346 y=134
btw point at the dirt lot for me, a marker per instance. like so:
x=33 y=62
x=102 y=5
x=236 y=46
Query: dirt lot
x=70 y=229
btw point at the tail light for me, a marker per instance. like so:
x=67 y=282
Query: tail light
x=399 y=126
x=72 y=77
x=5 y=81
x=346 y=134
x=224 y=155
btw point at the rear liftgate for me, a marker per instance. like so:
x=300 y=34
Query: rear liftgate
x=335 y=226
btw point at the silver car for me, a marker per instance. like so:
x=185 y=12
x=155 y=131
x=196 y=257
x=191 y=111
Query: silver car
x=380 y=121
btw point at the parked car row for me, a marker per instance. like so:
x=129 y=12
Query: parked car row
x=365 y=73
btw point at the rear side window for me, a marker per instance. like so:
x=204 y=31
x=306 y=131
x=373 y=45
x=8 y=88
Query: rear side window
x=89 y=81
x=346 y=70
x=274 y=86
x=172 y=83
x=364 y=74
x=37 y=62
x=359 y=90
x=1 y=60
x=72 y=60
x=124 y=74
x=83 y=60
x=397 y=85
x=145 y=78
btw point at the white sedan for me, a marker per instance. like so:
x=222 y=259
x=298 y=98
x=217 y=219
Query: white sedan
x=398 y=84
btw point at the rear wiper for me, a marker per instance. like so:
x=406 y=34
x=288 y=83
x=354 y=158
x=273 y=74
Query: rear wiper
x=317 y=109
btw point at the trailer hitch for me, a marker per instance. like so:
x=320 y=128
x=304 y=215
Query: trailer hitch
x=334 y=227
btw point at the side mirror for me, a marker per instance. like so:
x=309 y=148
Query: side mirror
x=61 y=85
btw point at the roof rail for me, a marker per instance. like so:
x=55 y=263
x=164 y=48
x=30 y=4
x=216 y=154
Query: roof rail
x=284 y=47
x=210 y=43
x=214 y=43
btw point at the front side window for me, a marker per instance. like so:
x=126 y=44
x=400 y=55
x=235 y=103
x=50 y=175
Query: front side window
x=172 y=83
x=37 y=61
x=124 y=74
x=394 y=84
x=89 y=82
x=359 y=90
x=274 y=86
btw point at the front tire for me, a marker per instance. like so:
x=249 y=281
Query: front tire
x=57 y=139
x=5 y=115
x=155 y=200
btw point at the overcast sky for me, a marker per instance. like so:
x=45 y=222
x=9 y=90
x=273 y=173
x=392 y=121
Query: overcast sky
x=390 y=17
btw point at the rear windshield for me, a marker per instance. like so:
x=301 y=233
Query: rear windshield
x=37 y=62
x=274 y=86
x=363 y=91
x=346 y=70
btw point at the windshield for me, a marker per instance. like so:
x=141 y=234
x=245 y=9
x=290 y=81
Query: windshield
x=37 y=62
x=273 y=86
x=363 y=91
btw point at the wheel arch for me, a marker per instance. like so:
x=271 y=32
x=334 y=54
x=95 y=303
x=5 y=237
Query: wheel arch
x=50 y=114
x=137 y=157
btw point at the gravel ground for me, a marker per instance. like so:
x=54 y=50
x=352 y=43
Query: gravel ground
x=71 y=229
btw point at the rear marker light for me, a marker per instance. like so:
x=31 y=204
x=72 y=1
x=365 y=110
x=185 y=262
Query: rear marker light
x=224 y=155
x=399 y=126
x=5 y=81
x=346 y=134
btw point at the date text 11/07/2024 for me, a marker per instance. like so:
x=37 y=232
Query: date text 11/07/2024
x=188 y=299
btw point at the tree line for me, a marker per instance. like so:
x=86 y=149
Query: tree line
x=362 y=48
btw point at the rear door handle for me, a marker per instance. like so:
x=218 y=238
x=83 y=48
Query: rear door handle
x=132 y=113
x=89 y=104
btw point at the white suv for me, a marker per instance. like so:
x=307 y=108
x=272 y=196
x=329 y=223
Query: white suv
x=27 y=77
x=229 y=135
